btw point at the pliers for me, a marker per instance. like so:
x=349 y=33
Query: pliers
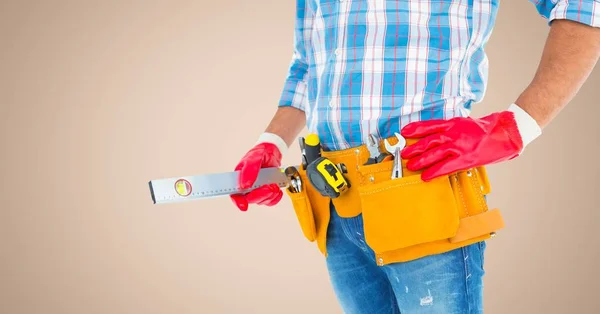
x=375 y=154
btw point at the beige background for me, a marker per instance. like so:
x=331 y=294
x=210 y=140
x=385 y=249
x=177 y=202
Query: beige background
x=98 y=98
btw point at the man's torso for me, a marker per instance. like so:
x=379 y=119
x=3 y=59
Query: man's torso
x=376 y=65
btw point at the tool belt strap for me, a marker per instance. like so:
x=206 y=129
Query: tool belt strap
x=478 y=225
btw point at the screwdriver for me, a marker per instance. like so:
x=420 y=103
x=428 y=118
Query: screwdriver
x=312 y=147
x=303 y=152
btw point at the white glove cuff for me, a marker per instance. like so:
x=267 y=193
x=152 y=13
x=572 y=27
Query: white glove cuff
x=528 y=127
x=273 y=138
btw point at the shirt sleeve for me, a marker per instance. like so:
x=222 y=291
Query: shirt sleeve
x=295 y=91
x=582 y=11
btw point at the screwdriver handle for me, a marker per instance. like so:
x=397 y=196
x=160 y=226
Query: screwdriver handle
x=312 y=147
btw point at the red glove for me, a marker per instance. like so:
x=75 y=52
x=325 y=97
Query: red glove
x=461 y=143
x=263 y=155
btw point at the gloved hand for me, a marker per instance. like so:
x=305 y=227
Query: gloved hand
x=266 y=153
x=446 y=146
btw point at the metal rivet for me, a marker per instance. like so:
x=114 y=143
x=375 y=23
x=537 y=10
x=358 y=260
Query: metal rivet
x=469 y=173
x=372 y=178
x=380 y=260
x=357 y=151
x=493 y=234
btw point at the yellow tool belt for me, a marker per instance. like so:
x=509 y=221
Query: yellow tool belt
x=404 y=218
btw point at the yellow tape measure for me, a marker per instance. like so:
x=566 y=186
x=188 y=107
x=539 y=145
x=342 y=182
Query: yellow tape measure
x=327 y=178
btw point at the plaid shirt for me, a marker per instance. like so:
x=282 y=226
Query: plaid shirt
x=364 y=67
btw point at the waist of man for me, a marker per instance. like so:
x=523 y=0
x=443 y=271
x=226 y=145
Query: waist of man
x=346 y=126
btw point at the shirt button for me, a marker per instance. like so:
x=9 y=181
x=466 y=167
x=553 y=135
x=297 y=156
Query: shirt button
x=331 y=104
x=337 y=52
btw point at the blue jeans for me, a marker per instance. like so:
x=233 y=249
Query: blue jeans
x=450 y=282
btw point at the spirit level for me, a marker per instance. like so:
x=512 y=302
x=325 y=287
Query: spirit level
x=180 y=189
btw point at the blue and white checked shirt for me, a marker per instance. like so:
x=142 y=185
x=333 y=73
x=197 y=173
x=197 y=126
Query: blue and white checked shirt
x=364 y=67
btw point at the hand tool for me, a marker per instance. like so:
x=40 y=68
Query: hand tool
x=179 y=189
x=342 y=167
x=303 y=152
x=298 y=182
x=294 y=177
x=396 y=149
x=327 y=178
x=312 y=147
x=375 y=154
x=294 y=188
x=392 y=148
x=397 y=169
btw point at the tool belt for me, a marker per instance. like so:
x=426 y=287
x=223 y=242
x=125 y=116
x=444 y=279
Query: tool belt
x=404 y=218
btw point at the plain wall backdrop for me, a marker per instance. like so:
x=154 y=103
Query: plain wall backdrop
x=99 y=97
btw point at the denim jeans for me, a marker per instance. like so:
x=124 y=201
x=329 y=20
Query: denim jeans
x=450 y=282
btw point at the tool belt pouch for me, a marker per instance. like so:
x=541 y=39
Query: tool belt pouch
x=304 y=213
x=407 y=212
x=404 y=218
x=312 y=211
